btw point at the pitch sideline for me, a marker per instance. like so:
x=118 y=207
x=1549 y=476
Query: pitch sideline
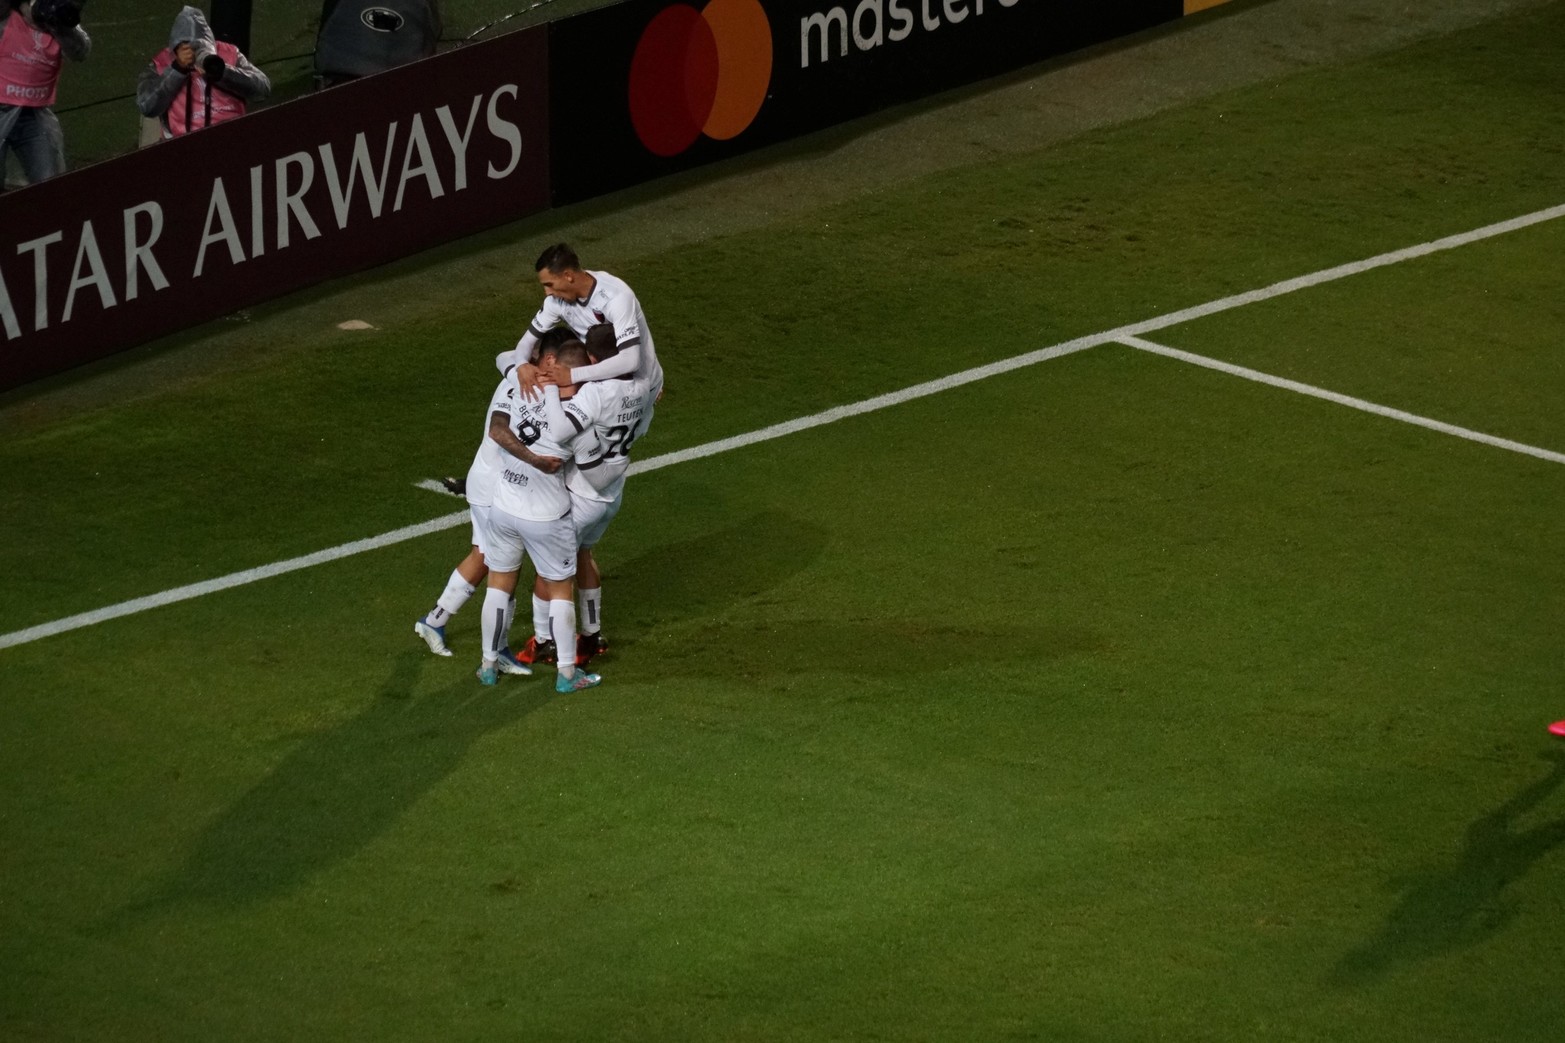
x=1120 y=334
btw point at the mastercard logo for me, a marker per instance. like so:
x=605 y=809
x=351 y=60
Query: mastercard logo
x=699 y=73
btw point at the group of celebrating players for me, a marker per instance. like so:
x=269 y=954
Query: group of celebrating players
x=549 y=475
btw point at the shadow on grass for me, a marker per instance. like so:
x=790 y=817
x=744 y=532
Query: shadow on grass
x=873 y=648
x=339 y=789
x=714 y=570
x=707 y=575
x=1460 y=905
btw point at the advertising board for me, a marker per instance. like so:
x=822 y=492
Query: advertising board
x=650 y=87
x=187 y=230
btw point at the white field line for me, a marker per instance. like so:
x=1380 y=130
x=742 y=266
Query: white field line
x=234 y=579
x=1119 y=334
x=1343 y=400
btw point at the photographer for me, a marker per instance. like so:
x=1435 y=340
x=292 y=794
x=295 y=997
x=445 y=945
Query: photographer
x=33 y=38
x=197 y=81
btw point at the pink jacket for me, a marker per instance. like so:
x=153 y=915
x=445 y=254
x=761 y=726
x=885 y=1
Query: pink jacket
x=187 y=110
x=29 y=64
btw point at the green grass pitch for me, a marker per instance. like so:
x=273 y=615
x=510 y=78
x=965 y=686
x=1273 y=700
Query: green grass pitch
x=1112 y=698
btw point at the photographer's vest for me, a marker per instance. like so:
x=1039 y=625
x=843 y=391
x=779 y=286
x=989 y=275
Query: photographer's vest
x=29 y=64
x=187 y=112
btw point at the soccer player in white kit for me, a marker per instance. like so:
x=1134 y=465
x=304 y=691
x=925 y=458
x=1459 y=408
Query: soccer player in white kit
x=582 y=299
x=531 y=513
x=617 y=411
x=478 y=488
x=499 y=439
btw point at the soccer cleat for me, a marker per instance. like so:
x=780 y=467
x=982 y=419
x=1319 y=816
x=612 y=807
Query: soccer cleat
x=589 y=645
x=488 y=673
x=576 y=682
x=434 y=637
x=535 y=651
x=1557 y=728
x=455 y=486
x=509 y=664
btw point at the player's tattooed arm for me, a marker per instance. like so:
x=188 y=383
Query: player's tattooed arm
x=505 y=438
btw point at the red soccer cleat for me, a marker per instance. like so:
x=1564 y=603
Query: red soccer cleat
x=536 y=651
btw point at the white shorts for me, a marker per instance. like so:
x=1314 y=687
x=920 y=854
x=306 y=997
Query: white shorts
x=550 y=544
x=480 y=516
x=592 y=517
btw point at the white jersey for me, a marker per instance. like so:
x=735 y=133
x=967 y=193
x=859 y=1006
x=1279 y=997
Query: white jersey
x=618 y=412
x=611 y=301
x=522 y=489
x=490 y=459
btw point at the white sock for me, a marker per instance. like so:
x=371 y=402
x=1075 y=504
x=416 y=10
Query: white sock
x=591 y=610
x=451 y=600
x=541 y=624
x=494 y=623
x=510 y=615
x=562 y=621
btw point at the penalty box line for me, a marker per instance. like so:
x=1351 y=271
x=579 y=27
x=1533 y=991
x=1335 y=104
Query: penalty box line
x=955 y=380
x=1342 y=400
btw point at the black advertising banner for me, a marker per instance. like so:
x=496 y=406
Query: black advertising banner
x=649 y=87
x=116 y=254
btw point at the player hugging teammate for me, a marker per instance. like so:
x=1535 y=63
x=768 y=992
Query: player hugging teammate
x=576 y=393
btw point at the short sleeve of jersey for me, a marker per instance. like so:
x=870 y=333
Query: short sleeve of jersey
x=547 y=318
x=586 y=450
x=504 y=397
x=624 y=314
x=581 y=407
x=584 y=409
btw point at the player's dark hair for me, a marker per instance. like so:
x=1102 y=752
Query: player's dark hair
x=550 y=341
x=555 y=336
x=558 y=258
x=573 y=353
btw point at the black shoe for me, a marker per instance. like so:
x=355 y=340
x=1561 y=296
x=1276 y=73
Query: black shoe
x=536 y=651
x=455 y=486
x=589 y=645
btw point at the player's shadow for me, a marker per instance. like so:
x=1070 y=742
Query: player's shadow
x=708 y=572
x=1457 y=906
x=339 y=789
x=874 y=647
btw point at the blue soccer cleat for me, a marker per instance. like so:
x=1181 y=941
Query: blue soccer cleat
x=488 y=673
x=434 y=637
x=509 y=664
x=576 y=682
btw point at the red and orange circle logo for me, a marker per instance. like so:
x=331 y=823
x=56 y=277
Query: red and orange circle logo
x=699 y=72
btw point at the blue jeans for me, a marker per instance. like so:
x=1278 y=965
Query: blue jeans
x=35 y=135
